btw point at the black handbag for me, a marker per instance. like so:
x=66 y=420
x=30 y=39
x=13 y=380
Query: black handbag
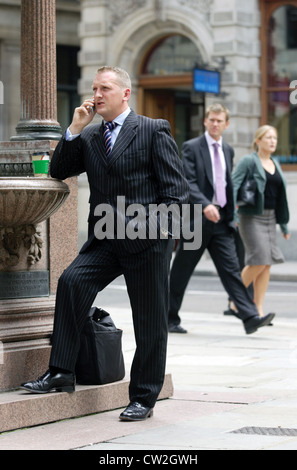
x=100 y=359
x=247 y=192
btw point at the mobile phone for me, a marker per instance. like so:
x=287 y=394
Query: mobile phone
x=91 y=109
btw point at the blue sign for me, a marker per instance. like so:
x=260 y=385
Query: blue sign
x=206 y=81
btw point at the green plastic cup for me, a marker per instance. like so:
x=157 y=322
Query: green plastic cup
x=40 y=163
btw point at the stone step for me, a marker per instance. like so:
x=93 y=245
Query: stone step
x=19 y=409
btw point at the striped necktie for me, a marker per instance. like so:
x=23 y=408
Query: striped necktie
x=108 y=127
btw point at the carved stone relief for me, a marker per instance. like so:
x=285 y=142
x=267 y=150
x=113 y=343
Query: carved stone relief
x=120 y=9
x=203 y=6
x=13 y=239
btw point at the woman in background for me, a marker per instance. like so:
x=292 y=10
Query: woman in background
x=257 y=224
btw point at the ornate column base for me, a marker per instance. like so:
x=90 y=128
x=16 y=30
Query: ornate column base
x=25 y=329
x=34 y=130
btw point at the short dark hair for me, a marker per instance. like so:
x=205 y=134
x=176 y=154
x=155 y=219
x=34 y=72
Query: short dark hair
x=123 y=76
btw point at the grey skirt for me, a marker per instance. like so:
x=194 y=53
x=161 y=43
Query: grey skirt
x=258 y=233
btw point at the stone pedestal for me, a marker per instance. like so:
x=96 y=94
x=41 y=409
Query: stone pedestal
x=26 y=325
x=19 y=409
x=26 y=316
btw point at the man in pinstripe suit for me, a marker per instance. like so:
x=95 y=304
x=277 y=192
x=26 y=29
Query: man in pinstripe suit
x=144 y=167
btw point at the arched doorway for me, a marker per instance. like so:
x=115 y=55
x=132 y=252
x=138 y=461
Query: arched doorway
x=165 y=86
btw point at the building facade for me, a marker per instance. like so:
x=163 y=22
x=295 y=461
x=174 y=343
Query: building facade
x=251 y=46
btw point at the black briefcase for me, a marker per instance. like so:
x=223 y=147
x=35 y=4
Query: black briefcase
x=100 y=359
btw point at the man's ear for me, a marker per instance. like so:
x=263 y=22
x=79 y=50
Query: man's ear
x=127 y=94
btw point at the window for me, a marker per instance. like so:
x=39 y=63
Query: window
x=281 y=50
x=68 y=74
x=173 y=55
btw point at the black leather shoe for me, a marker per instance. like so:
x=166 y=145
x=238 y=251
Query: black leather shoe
x=176 y=329
x=254 y=323
x=59 y=382
x=135 y=411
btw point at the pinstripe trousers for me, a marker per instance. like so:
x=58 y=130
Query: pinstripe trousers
x=146 y=275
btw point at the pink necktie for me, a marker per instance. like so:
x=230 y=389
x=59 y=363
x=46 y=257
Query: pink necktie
x=219 y=178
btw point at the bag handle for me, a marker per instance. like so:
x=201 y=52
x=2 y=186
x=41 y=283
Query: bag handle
x=251 y=169
x=97 y=313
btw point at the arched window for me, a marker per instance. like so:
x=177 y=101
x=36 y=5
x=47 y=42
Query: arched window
x=165 y=86
x=172 y=55
x=279 y=71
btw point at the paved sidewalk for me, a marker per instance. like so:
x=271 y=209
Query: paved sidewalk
x=279 y=272
x=231 y=392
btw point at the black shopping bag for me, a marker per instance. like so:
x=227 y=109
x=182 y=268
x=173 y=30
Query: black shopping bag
x=100 y=359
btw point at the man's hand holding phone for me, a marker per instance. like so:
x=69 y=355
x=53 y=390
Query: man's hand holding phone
x=82 y=116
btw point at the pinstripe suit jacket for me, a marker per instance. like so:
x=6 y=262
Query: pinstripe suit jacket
x=144 y=166
x=198 y=170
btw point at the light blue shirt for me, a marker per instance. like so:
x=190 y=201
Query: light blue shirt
x=119 y=120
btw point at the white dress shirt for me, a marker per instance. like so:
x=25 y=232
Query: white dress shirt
x=210 y=141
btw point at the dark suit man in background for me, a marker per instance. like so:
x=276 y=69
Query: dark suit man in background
x=208 y=164
x=142 y=166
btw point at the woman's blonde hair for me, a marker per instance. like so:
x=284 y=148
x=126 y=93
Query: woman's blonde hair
x=259 y=134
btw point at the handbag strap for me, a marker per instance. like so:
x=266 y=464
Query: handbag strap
x=251 y=169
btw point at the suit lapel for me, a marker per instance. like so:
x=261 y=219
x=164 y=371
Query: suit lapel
x=207 y=160
x=97 y=143
x=227 y=158
x=126 y=134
